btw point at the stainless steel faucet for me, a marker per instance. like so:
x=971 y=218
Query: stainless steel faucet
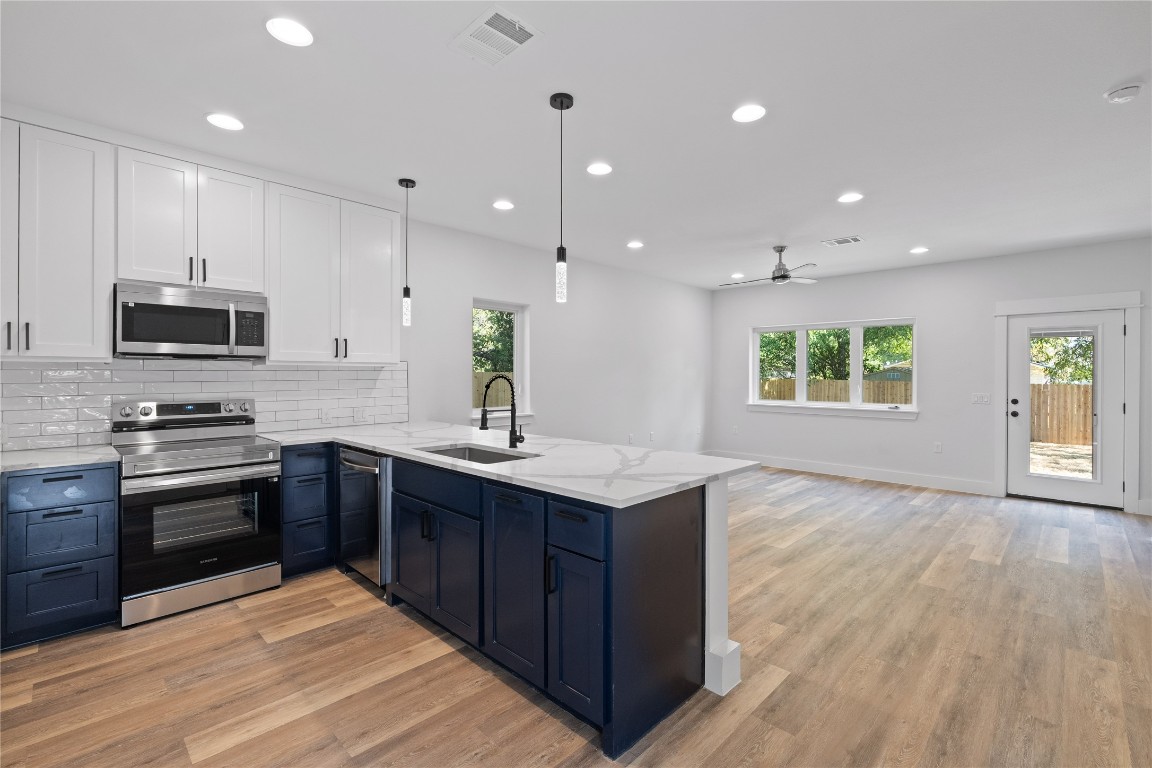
x=514 y=437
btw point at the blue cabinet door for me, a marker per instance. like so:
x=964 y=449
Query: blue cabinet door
x=514 y=621
x=411 y=554
x=307 y=546
x=576 y=632
x=455 y=542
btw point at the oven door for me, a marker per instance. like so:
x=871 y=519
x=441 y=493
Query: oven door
x=187 y=527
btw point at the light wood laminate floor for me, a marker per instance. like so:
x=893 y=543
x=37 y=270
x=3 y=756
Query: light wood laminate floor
x=881 y=625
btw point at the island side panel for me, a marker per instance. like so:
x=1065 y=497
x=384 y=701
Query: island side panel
x=656 y=609
x=722 y=655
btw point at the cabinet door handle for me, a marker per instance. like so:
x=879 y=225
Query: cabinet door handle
x=433 y=523
x=9 y=324
x=550 y=574
x=311 y=524
x=203 y=271
x=191 y=276
x=569 y=516
x=27 y=336
x=61 y=571
x=345 y=347
x=63 y=478
x=337 y=352
x=62 y=513
x=509 y=499
x=423 y=523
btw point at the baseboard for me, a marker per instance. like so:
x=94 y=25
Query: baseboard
x=1144 y=507
x=938 y=482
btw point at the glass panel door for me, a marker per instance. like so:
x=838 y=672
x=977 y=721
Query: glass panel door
x=1062 y=417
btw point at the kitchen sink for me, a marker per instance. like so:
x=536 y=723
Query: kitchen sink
x=481 y=454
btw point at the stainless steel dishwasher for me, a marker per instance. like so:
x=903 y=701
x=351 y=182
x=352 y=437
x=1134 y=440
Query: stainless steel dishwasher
x=364 y=514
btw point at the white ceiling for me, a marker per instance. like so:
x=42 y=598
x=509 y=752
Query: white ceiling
x=973 y=128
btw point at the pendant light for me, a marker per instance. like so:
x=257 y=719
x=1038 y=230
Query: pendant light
x=406 y=306
x=562 y=102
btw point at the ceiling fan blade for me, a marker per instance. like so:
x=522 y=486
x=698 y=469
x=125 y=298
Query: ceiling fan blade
x=803 y=280
x=802 y=266
x=745 y=282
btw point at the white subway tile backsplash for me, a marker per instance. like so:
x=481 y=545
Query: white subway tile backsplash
x=54 y=404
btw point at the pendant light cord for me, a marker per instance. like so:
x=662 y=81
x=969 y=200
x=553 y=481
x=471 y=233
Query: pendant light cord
x=561 y=177
x=406 y=190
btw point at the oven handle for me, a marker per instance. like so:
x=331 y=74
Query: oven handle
x=146 y=484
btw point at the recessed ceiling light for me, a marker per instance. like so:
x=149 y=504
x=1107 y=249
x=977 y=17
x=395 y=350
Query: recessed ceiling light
x=289 y=31
x=850 y=197
x=227 y=122
x=737 y=275
x=634 y=244
x=599 y=169
x=918 y=250
x=748 y=113
x=503 y=205
x=1123 y=94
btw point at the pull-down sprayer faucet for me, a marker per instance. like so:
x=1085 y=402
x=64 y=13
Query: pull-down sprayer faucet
x=514 y=437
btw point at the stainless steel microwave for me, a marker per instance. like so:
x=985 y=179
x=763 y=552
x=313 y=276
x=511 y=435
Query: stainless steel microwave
x=170 y=321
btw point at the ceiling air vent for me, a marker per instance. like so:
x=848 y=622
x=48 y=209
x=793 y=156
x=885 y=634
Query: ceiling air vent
x=493 y=37
x=842 y=241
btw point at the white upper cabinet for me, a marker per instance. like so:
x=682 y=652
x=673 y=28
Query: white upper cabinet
x=67 y=198
x=303 y=236
x=368 y=296
x=155 y=218
x=9 y=237
x=231 y=231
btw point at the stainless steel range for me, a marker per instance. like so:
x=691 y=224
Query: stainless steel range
x=199 y=506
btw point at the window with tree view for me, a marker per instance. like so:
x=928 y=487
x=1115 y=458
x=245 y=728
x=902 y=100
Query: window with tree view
x=866 y=364
x=493 y=352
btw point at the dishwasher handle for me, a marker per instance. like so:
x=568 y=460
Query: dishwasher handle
x=370 y=469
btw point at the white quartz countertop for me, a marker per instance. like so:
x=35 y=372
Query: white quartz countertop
x=46 y=458
x=614 y=475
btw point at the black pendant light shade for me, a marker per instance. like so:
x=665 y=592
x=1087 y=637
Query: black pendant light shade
x=406 y=299
x=562 y=102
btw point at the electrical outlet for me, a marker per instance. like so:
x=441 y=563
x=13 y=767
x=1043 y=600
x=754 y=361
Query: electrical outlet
x=735 y=429
x=359 y=414
x=937 y=447
x=629 y=438
x=981 y=398
x=325 y=416
x=651 y=436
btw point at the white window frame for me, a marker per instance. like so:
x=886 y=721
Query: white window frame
x=524 y=414
x=855 y=405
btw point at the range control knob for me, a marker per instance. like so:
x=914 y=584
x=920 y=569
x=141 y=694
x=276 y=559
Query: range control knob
x=126 y=411
x=228 y=407
x=145 y=410
x=244 y=407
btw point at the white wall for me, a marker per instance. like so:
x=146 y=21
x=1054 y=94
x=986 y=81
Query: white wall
x=626 y=354
x=953 y=304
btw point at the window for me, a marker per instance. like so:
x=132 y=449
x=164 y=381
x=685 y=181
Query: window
x=864 y=366
x=499 y=333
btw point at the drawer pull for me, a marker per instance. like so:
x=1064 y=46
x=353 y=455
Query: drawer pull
x=311 y=524
x=509 y=499
x=570 y=516
x=63 y=513
x=310 y=455
x=64 y=479
x=61 y=571
x=310 y=481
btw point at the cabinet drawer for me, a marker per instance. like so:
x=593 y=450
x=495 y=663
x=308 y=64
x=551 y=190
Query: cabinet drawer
x=48 y=537
x=49 y=595
x=576 y=529
x=307 y=546
x=305 y=460
x=437 y=486
x=60 y=489
x=304 y=497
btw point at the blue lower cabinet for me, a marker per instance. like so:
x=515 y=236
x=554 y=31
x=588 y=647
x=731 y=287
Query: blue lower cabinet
x=576 y=632
x=455 y=543
x=307 y=546
x=411 y=555
x=514 y=626
x=50 y=601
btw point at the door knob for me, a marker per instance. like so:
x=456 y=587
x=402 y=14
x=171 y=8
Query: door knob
x=1015 y=413
x=1015 y=401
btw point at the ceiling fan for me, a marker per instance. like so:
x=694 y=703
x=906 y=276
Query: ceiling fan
x=780 y=273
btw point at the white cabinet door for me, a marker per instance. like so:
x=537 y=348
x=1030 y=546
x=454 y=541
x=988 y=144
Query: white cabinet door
x=303 y=238
x=368 y=293
x=67 y=196
x=155 y=218
x=9 y=239
x=231 y=231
